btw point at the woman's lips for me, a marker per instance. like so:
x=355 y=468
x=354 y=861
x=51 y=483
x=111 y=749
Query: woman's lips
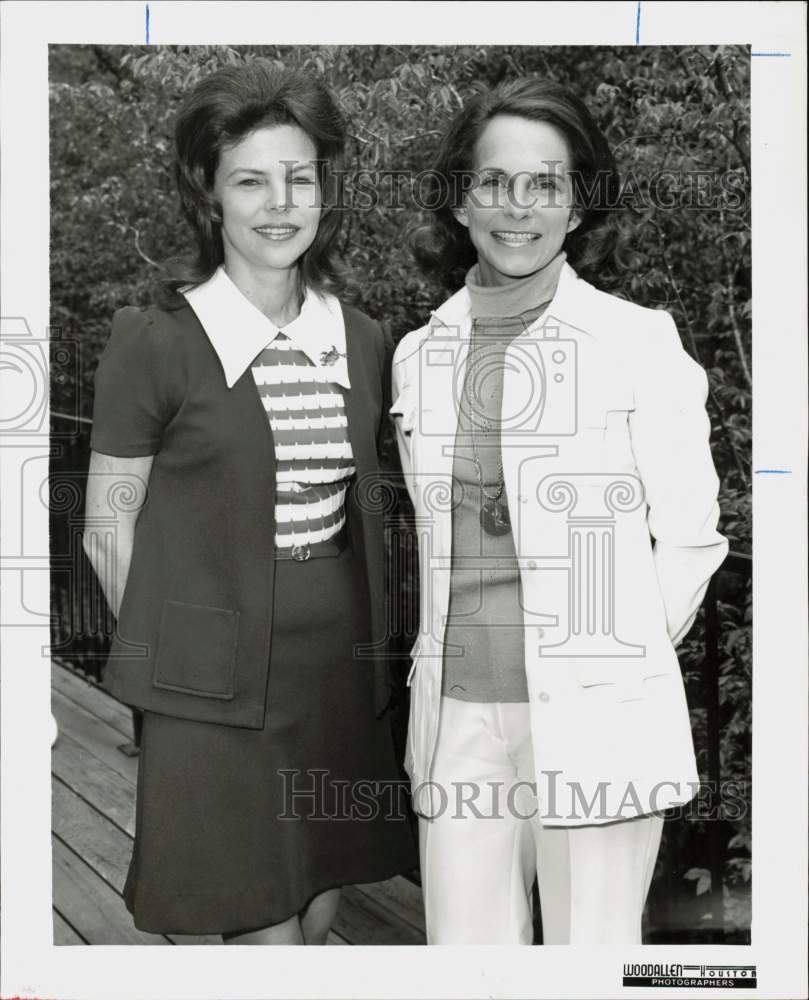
x=514 y=239
x=276 y=233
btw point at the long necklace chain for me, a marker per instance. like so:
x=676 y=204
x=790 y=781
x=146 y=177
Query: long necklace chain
x=486 y=428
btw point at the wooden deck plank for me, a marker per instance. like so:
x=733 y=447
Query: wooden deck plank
x=93 y=698
x=63 y=933
x=102 y=846
x=400 y=897
x=92 y=907
x=361 y=919
x=94 y=735
x=105 y=789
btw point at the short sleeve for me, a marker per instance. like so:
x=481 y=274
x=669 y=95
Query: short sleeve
x=133 y=398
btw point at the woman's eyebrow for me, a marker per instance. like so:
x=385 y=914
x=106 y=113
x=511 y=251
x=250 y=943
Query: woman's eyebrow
x=246 y=170
x=291 y=166
x=551 y=171
x=298 y=166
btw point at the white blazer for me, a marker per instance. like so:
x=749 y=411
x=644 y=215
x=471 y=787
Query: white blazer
x=604 y=440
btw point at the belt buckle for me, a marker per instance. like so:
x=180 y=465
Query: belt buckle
x=300 y=553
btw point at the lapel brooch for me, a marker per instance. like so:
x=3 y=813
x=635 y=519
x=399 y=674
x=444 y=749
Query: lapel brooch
x=330 y=357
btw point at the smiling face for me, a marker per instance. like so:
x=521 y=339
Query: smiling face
x=520 y=210
x=268 y=188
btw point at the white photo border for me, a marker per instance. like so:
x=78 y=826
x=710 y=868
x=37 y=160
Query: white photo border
x=32 y=966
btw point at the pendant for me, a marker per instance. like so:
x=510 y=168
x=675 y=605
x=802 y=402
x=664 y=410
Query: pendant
x=494 y=518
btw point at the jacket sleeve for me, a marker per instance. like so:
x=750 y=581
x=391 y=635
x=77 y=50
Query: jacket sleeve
x=137 y=388
x=670 y=433
x=404 y=409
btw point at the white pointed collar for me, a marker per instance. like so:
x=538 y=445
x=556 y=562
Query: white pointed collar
x=239 y=331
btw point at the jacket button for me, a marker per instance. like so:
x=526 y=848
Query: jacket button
x=522 y=498
x=532 y=564
x=541 y=633
x=544 y=696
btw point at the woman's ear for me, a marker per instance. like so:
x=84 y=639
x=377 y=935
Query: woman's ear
x=214 y=211
x=574 y=221
x=461 y=215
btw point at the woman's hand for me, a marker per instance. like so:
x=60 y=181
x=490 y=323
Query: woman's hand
x=109 y=527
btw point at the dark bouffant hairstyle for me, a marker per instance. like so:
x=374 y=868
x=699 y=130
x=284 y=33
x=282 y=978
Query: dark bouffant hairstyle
x=220 y=111
x=443 y=248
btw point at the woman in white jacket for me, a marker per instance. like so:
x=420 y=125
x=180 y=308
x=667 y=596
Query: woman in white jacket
x=555 y=445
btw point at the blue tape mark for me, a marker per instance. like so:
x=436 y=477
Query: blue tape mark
x=147 y=23
x=637 y=25
x=780 y=55
x=774 y=472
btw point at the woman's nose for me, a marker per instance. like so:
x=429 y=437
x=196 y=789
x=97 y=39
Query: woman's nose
x=519 y=199
x=278 y=194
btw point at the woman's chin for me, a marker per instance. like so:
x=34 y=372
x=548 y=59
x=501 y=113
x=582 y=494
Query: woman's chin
x=512 y=270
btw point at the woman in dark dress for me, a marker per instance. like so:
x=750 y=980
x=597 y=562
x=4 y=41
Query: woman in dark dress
x=241 y=419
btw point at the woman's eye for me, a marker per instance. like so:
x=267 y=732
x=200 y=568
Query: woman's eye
x=248 y=182
x=490 y=182
x=303 y=180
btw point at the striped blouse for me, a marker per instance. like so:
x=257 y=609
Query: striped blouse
x=314 y=461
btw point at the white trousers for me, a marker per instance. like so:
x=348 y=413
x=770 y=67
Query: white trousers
x=482 y=849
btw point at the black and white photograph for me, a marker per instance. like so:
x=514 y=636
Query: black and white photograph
x=404 y=490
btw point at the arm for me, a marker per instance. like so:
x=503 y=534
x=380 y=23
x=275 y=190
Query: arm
x=135 y=397
x=109 y=527
x=670 y=433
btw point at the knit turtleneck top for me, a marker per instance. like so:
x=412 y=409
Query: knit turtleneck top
x=484 y=645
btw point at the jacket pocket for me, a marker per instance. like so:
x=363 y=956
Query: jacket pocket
x=406 y=406
x=196 y=650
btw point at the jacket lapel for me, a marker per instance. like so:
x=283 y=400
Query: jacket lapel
x=359 y=404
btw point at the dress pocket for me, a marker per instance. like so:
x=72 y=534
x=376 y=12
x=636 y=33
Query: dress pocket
x=196 y=650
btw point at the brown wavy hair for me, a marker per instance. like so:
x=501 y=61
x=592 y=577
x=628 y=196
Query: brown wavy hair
x=220 y=111
x=443 y=248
